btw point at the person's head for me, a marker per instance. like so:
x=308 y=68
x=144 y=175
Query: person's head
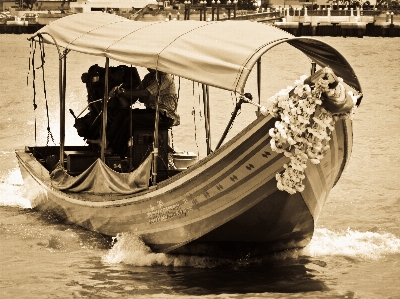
x=153 y=71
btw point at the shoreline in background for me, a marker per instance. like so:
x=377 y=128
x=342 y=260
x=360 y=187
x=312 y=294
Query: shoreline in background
x=341 y=23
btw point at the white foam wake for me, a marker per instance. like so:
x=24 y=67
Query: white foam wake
x=352 y=243
x=13 y=191
x=130 y=249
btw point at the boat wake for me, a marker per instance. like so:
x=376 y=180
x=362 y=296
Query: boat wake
x=12 y=190
x=130 y=249
x=352 y=243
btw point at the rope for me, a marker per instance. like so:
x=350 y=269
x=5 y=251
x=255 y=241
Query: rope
x=43 y=61
x=32 y=62
x=172 y=139
x=34 y=68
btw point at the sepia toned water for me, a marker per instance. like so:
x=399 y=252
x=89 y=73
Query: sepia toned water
x=355 y=251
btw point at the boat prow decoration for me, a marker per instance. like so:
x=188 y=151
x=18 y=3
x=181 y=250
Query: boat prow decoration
x=260 y=191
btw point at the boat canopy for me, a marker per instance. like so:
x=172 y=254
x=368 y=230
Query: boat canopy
x=217 y=53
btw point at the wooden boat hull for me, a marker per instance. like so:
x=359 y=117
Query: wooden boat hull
x=226 y=205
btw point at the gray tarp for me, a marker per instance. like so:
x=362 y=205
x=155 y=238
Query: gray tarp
x=100 y=179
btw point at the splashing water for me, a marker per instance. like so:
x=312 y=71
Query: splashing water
x=12 y=190
x=129 y=249
x=365 y=245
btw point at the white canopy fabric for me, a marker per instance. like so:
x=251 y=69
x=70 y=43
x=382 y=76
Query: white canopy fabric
x=219 y=54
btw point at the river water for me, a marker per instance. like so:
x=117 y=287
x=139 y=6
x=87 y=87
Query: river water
x=355 y=251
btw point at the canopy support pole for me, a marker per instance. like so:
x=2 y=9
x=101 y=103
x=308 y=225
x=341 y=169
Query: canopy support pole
x=259 y=84
x=105 y=101
x=206 y=103
x=62 y=90
x=313 y=67
x=228 y=127
x=156 y=123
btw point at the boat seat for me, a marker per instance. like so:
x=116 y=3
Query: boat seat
x=143 y=144
x=77 y=162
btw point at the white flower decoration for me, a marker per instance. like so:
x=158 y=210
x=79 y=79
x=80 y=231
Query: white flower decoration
x=304 y=129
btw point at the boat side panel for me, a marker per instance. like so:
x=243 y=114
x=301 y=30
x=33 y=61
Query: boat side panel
x=280 y=221
x=321 y=178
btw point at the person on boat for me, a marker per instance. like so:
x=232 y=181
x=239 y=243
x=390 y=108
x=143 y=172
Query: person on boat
x=89 y=126
x=155 y=84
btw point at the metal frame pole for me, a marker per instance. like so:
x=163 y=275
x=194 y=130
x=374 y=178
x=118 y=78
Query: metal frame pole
x=62 y=89
x=105 y=101
x=156 y=123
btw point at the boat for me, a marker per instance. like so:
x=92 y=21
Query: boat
x=4 y=17
x=17 y=22
x=259 y=192
x=113 y=7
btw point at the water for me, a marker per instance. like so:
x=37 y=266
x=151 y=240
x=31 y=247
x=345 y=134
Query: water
x=355 y=252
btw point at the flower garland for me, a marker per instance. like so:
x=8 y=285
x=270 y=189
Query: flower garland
x=304 y=129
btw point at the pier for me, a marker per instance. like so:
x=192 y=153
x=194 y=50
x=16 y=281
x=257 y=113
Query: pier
x=19 y=29
x=349 y=22
x=340 y=21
